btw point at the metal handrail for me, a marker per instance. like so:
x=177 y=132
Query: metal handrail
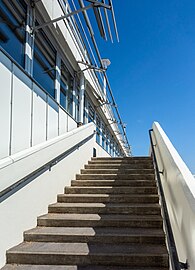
x=175 y=263
x=6 y=193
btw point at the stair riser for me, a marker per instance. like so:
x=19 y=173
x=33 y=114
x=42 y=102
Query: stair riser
x=125 y=190
x=106 y=210
x=99 y=183
x=95 y=239
x=100 y=223
x=61 y=259
x=115 y=177
x=117 y=171
x=119 y=166
x=122 y=199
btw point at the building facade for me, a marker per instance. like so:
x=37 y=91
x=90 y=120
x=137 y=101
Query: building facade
x=48 y=87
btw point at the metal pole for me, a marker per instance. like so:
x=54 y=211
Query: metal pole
x=62 y=17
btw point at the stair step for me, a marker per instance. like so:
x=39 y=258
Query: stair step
x=105 y=198
x=86 y=253
x=118 y=166
x=97 y=235
x=120 y=171
x=109 y=219
x=76 y=267
x=115 y=176
x=134 y=183
x=101 y=208
x=139 y=159
x=111 y=190
x=95 y=220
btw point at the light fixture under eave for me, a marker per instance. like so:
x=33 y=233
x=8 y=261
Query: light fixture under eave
x=105 y=62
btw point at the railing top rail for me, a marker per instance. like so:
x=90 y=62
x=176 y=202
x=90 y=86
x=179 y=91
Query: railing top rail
x=175 y=263
x=6 y=193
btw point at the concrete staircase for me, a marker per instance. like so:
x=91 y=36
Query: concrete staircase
x=110 y=218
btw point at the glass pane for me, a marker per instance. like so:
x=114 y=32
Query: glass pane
x=12 y=29
x=66 y=84
x=44 y=63
x=63 y=100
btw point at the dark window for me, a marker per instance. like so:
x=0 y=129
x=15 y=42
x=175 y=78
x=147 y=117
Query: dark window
x=77 y=104
x=66 y=89
x=44 y=62
x=98 y=126
x=12 y=28
x=91 y=113
x=103 y=136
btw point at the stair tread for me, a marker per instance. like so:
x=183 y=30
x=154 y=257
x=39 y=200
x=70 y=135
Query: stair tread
x=108 y=187
x=75 y=267
x=104 y=205
x=118 y=171
x=88 y=249
x=107 y=198
x=122 y=158
x=116 y=182
x=108 y=195
x=99 y=217
x=94 y=231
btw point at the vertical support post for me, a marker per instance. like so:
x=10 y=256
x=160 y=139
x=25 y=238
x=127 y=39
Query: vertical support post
x=29 y=44
x=104 y=86
x=74 y=98
x=57 y=78
x=81 y=99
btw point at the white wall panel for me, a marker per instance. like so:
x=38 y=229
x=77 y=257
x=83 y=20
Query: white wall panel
x=63 y=118
x=100 y=152
x=71 y=124
x=39 y=116
x=5 y=107
x=21 y=117
x=52 y=119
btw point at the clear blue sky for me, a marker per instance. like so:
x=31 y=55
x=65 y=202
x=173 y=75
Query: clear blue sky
x=153 y=71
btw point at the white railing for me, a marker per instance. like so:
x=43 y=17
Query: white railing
x=22 y=199
x=179 y=191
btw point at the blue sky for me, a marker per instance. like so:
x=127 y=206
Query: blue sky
x=153 y=71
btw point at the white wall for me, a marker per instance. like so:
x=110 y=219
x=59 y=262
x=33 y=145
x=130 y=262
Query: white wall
x=100 y=152
x=19 y=212
x=39 y=119
x=28 y=115
x=179 y=189
x=21 y=111
x=5 y=104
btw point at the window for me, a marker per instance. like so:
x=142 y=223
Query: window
x=77 y=103
x=103 y=136
x=44 y=62
x=111 y=147
x=98 y=127
x=91 y=113
x=107 y=141
x=85 y=114
x=66 y=87
x=12 y=28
